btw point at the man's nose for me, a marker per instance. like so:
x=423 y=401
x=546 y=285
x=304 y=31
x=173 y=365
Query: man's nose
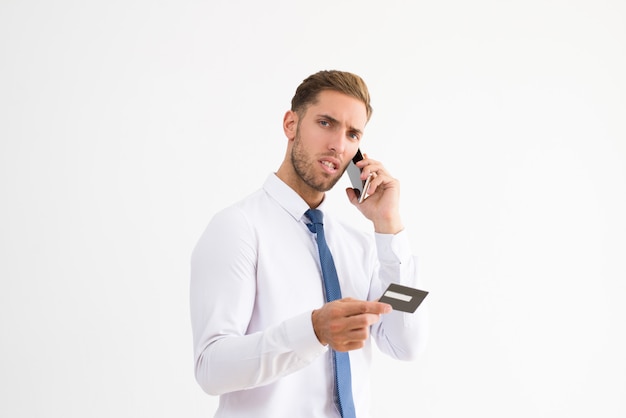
x=338 y=142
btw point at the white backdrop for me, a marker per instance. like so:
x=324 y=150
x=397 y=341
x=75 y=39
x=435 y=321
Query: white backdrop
x=125 y=125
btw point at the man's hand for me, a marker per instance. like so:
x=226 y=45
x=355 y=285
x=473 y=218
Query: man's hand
x=344 y=324
x=382 y=205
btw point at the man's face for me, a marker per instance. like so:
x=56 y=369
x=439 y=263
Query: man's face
x=326 y=139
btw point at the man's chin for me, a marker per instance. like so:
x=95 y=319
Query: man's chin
x=323 y=183
x=328 y=185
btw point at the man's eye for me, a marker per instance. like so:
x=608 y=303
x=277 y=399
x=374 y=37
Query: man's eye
x=324 y=123
x=354 y=136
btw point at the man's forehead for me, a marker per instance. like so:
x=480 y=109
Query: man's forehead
x=341 y=107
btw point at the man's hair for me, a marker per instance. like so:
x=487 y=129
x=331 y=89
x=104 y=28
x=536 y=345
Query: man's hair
x=341 y=81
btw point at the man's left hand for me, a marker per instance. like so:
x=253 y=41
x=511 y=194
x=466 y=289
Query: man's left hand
x=382 y=204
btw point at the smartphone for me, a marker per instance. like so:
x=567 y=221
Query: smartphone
x=354 y=173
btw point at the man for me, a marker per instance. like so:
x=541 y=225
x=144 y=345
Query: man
x=265 y=338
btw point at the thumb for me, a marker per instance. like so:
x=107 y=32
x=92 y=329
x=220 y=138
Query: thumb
x=352 y=196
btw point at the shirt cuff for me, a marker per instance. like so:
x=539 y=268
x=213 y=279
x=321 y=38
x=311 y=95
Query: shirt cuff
x=393 y=248
x=301 y=337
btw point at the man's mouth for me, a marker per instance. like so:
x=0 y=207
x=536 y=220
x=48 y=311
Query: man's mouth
x=331 y=166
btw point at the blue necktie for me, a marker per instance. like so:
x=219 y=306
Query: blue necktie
x=341 y=360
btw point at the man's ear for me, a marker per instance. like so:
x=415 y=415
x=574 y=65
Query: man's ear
x=290 y=124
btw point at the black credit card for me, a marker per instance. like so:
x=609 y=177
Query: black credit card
x=403 y=298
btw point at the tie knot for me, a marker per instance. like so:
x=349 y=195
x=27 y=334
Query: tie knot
x=316 y=216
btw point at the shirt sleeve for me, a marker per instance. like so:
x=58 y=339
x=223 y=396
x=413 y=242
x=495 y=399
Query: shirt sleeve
x=399 y=334
x=222 y=297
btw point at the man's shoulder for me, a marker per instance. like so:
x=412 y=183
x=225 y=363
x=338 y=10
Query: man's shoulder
x=243 y=207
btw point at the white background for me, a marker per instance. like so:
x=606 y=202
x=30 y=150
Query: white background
x=125 y=125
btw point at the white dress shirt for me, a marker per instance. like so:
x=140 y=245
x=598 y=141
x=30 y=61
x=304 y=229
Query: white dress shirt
x=255 y=280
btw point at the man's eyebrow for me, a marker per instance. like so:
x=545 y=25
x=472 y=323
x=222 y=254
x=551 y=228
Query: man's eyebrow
x=330 y=118
x=335 y=121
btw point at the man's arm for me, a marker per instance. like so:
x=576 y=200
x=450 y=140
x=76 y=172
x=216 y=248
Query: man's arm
x=401 y=335
x=222 y=296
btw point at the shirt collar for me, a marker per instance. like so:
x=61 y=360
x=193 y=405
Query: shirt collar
x=287 y=198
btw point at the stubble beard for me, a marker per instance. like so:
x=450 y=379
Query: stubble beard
x=305 y=168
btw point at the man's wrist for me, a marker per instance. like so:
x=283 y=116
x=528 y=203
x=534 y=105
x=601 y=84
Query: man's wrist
x=388 y=226
x=314 y=322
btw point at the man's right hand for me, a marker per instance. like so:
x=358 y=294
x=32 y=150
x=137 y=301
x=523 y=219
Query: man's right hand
x=344 y=324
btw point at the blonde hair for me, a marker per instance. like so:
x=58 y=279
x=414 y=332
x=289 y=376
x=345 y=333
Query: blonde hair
x=341 y=81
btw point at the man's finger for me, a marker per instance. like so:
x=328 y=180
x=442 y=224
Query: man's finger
x=358 y=307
